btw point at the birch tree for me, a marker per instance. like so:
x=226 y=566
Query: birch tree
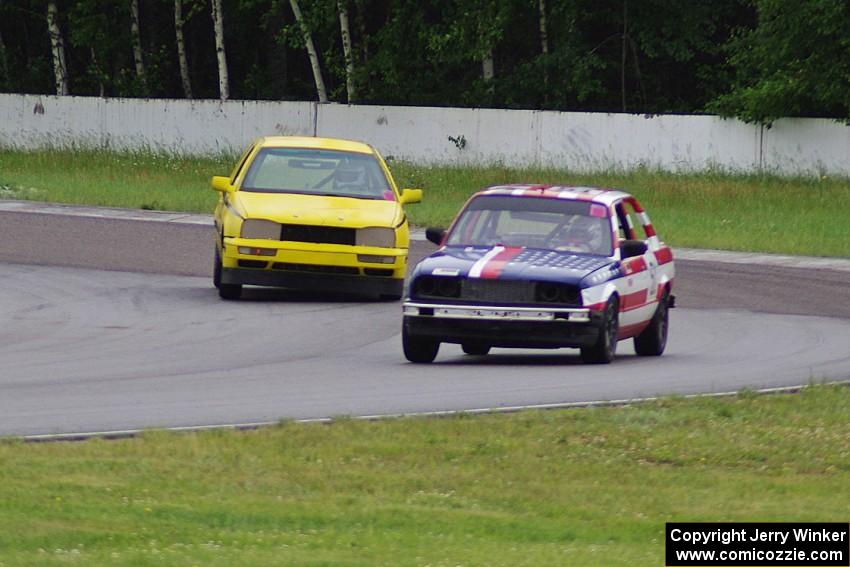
x=488 y=70
x=623 y=49
x=218 y=24
x=4 y=62
x=101 y=88
x=489 y=23
x=311 y=51
x=544 y=31
x=345 y=31
x=544 y=47
x=57 y=44
x=136 y=39
x=181 y=49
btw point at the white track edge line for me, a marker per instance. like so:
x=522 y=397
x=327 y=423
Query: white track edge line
x=129 y=433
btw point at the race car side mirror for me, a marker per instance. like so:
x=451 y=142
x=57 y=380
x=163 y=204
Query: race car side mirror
x=435 y=235
x=632 y=248
x=410 y=196
x=222 y=184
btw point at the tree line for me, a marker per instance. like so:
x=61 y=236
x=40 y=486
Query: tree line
x=755 y=59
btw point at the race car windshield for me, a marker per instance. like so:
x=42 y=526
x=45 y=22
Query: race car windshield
x=317 y=172
x=555 y=224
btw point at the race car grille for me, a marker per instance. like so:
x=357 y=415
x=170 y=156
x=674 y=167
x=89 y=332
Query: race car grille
x=495 y=291
x=318 y=234
x=315 y=268
x=380 y=272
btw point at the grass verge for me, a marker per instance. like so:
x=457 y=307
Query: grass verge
x=575 y=487
x=712 y=210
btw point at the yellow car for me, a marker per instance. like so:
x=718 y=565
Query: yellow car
x=311 y=213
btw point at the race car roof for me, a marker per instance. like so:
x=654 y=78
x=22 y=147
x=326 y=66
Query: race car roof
x=315 y=143
x=580 y=193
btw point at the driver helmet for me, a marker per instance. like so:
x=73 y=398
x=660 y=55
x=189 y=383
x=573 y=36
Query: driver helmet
x=350 y=175
x=584 y=231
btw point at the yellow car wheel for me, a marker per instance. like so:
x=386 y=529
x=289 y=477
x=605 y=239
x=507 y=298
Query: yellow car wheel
x=225 y=291
x=475 y=349
x=230 y=291
x=217 y=269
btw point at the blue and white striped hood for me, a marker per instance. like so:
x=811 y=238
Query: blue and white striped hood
x=530 y=264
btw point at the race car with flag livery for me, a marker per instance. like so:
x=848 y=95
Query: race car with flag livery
x=540 y=266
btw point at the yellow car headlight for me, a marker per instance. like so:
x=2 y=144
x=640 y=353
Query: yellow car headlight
x=258 y=228
x=374 y=236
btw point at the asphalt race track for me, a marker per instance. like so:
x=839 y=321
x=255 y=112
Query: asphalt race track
x=112 y=324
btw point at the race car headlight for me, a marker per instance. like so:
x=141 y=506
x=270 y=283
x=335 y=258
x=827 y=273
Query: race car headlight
x=258 y=228
x=429 y=286
x=374 y=236
x=550 y=292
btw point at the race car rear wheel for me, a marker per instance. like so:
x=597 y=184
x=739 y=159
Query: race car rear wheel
x=475 y=348
x=417 y=349
x=652 y=340
x=603 y=351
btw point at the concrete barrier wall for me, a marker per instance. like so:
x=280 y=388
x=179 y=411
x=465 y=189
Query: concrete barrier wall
x=191 y=127
x=809 y=145
x=574 y=140
x=425 y=134
x=675 y=143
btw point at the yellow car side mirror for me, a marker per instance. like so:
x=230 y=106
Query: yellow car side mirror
x=222 y=184
x=409 y=196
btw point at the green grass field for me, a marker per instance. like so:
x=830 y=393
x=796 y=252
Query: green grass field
x=712 y=210
x=571 y=487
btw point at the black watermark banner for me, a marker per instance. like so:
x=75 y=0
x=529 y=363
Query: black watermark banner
x=747 y=544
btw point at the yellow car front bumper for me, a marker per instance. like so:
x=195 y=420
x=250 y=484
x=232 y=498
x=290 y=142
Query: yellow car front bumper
x=317 y=267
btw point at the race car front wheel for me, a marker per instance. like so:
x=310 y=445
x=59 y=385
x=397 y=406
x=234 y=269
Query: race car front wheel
x=230 y=291
x=225 y=291
x=603 y=350
x=417 y=349
x=475 y=348
x=217 y=269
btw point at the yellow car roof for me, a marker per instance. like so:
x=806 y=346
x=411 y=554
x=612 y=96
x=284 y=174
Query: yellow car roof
x=318 y=143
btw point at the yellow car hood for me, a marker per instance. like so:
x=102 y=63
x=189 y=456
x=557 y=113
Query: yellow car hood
x=293 y=208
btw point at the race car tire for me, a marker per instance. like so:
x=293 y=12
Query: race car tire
x=217 y=269
x=230 y=291
x=605 y=347
x=476 y=349
x=225 y=291
x=652 y=340
x=417 y=349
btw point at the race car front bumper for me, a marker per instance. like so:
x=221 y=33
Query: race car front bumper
x=315 y=267
x=317 y=282
x=503 y=326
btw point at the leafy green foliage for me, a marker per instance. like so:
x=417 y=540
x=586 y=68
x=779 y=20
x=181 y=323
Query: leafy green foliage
x=754 y=59
x=795 y=62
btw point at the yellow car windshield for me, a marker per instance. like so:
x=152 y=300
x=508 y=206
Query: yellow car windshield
x=317 y=172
